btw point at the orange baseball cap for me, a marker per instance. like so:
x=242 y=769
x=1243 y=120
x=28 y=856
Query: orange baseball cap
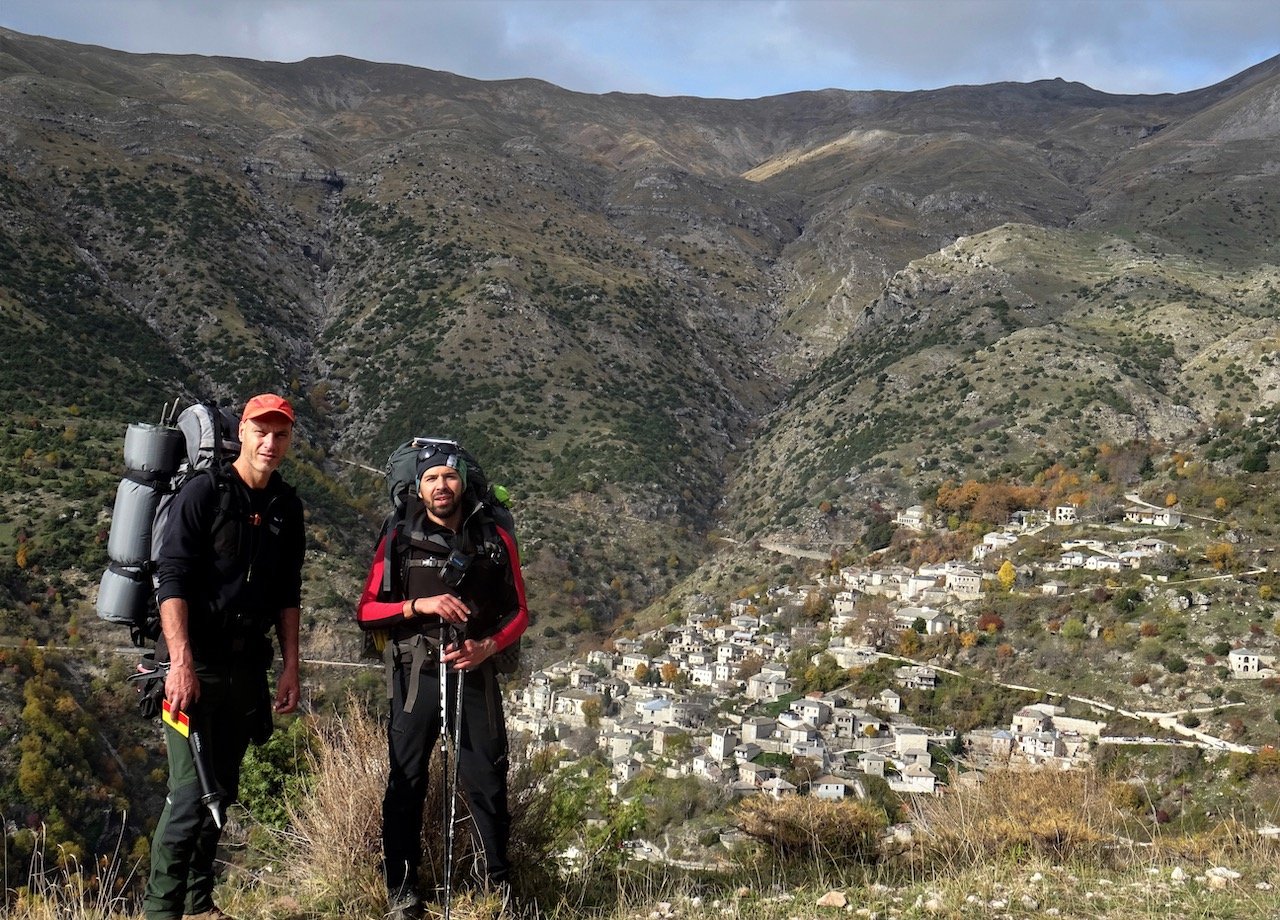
x=267 y=404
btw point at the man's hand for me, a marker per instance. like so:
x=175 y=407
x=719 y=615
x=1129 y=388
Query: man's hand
x=181 y=687
x=470 y=654
x=288 y=690
x=445 y=606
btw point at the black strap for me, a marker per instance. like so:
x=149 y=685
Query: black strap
x=145 y=477
x=419 y=652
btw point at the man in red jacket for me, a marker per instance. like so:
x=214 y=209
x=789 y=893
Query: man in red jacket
x=456 y=594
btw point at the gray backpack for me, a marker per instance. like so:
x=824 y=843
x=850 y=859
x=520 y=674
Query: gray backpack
x=159 y=460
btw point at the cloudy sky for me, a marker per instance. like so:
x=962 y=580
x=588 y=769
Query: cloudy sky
x=713 y=48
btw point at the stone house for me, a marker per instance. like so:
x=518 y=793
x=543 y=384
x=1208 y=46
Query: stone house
x=1042 y=745
x=1152 y=517
x=873 y=764
x=570 y=705
x=626 y=768
x=834 y=788
x=538 y=695
x=916 y=677
x=1028 y=720
x=767 y=687
x=723 y=742
x=758 y=729
x=778 y=787
x=599 y=658
x=1246 y=664
x=915 y=778
x=653 y=711
x=662 y=734
x=725 y=671
x=815 y=712
x=936 y=622
x=913 y=518
x=964 y=584
x=910 y=740
x=633 y=660
x=703 y=675
x=754 y=773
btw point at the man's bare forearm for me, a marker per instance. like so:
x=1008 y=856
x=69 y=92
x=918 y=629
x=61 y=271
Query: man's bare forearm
x=181 y=687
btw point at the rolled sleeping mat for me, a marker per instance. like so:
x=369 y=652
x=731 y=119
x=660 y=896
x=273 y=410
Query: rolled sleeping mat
x=123 y=594
x=153 y=449
x=129 y=542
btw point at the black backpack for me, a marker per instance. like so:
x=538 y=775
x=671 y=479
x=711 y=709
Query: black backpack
x=494 y=513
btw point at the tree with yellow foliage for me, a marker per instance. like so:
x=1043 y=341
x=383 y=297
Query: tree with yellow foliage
x=1222 y=556
x=908 y=642
x=1007 y=575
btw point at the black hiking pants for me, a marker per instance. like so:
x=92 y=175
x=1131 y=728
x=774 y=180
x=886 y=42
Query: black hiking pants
x=411 y=737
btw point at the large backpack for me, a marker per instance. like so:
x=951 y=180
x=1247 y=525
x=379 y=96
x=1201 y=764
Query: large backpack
x=159 y=460
x=401 y=474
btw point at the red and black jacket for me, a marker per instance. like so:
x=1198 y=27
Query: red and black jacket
x=414 y=554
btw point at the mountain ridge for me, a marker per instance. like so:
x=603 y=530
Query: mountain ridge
x=660 y=278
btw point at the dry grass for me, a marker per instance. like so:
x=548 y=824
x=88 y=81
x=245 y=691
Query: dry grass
x=332 y=847
x=71 y=891
x=1063 y=815
x=330 y=857
x=1020 y=845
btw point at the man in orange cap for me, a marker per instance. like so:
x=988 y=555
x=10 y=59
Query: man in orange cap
x=228 y=570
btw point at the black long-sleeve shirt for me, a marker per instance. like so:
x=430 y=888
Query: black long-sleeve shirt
x=234 y=554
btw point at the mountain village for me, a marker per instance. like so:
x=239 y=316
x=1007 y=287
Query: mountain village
x=712 y=697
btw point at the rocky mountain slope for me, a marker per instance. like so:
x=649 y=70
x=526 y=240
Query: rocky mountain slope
x=652 y=317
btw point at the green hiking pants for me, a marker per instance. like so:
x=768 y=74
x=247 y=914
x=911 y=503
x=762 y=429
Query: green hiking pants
x=233 y=704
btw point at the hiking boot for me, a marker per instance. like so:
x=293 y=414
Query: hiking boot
x=404 y=905
x=213 y=913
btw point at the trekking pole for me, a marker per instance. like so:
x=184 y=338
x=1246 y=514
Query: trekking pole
x=459 y=677
x=444 y=761
x=448 y=764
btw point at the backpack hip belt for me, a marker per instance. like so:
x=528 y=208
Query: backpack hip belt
x=418 y=652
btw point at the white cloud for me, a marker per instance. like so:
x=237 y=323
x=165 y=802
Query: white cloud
x=708 y=47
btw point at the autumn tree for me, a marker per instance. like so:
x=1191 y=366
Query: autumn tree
x=1007 y=575
x=908 y=642
x=1222 y=556
x=750 y=666
x=989 y=622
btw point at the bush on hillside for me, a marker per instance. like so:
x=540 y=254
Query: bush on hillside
x=804 y=828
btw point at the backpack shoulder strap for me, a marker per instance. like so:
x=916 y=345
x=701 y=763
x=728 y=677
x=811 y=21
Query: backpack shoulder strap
x=392 y=533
